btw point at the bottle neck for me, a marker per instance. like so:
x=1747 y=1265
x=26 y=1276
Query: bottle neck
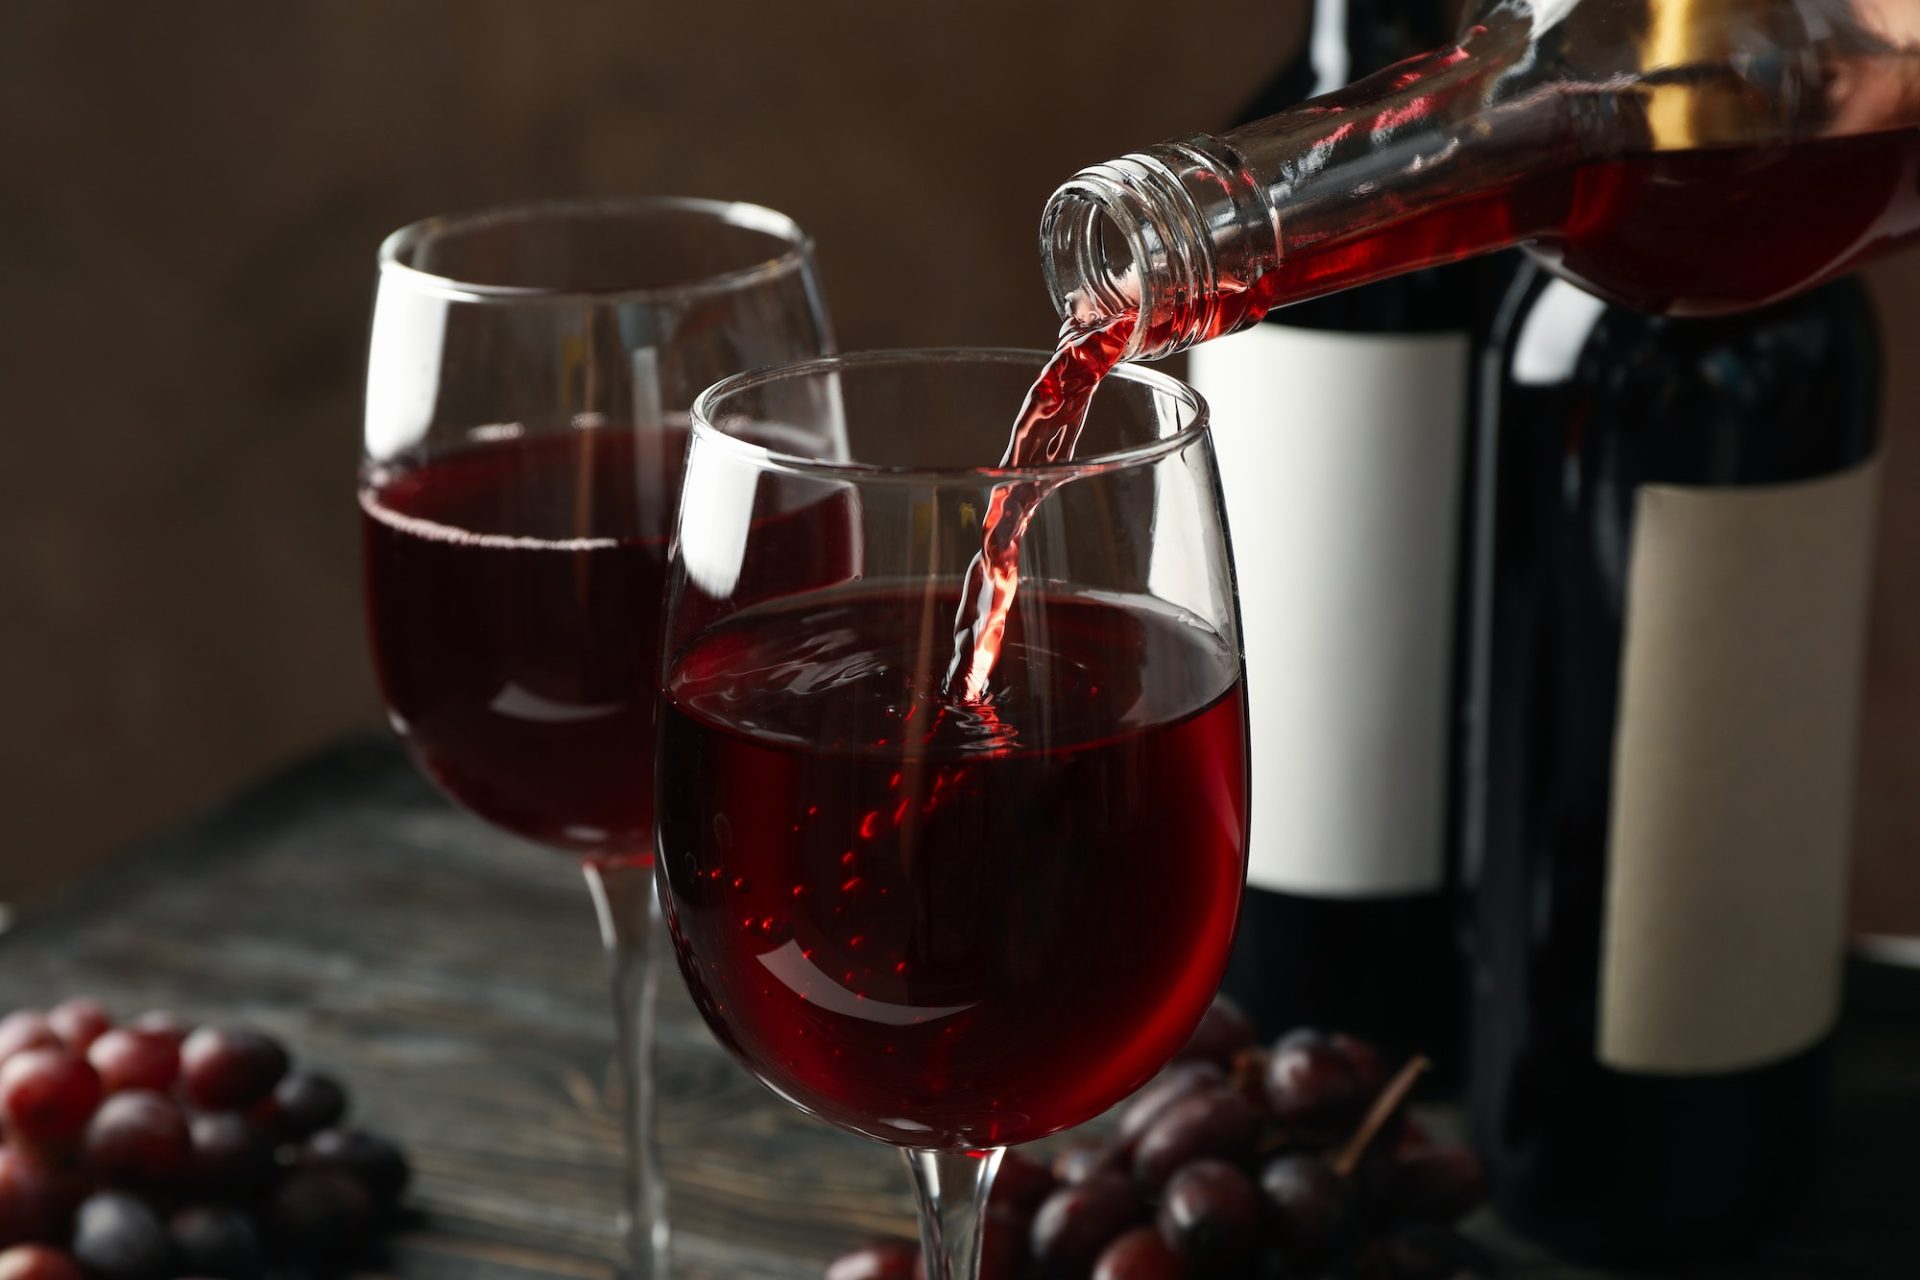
x=1177 y=235
x=1204 y=235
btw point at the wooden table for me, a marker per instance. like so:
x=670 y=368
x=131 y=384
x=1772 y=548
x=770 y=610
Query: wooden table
x=452 y=975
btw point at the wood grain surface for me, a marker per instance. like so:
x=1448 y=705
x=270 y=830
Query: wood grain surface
x=452 y=976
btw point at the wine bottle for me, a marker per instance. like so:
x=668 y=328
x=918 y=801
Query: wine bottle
x=1677 y=157
x=1668 y=637
x=1341 y=424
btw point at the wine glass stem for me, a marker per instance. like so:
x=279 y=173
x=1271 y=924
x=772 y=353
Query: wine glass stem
x=623 y=894
x=952 y=1187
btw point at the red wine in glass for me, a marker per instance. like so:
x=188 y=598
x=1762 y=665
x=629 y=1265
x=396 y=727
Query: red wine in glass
x=514 y=596
x=949 y=924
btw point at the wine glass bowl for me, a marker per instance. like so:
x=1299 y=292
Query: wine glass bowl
x=512 y=613
x=950 y=926
x=528 y=379
x=539 y=313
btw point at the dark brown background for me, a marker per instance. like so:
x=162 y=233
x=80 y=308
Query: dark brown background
x=190 y=197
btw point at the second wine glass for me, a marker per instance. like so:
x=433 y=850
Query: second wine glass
x=527 y=386
x=949 y=924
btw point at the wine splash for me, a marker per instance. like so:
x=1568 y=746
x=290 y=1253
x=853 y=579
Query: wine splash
x=1046 y=429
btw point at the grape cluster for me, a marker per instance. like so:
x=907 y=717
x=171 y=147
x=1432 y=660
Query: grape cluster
x=1298 y=1160
x=154 y=1149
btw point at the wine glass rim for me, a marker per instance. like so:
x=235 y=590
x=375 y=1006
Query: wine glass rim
x=735 y=213
x=703 y=426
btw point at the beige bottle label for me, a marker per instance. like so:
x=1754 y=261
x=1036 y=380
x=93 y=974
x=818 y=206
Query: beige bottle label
x=1341 y=457
x=1733 y=773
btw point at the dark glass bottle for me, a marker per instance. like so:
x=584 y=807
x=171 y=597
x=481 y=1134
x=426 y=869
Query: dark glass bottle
x=1342 y=429
x=1667 y=642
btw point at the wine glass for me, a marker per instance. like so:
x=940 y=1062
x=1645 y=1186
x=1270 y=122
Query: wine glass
x=948 y=925
x=527 y=385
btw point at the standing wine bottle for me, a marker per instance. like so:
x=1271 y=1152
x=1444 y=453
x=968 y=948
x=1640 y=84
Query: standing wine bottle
x=1341 y=425
x=1668 y=632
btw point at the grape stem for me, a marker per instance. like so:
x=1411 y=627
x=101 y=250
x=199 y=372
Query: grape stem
x=1249 y=1068
x=1384 y=1106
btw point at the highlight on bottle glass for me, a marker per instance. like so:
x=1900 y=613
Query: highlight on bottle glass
x=948 y=918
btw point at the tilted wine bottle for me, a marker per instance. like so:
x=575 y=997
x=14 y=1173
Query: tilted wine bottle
x=1668 y=632
x=1678 y=157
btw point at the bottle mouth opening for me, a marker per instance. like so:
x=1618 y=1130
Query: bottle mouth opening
x=1164 y=230
x=1092 y=251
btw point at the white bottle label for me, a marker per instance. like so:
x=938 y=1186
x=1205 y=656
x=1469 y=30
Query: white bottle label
x=1341 y=457
x=1733 y=773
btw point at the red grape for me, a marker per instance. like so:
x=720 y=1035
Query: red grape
x=217 y=1241
x=1224 y=1030
x=79 y=1022
x=1412 y=1134
x=129 y=1058
x=1139 y=1254
x=1437 y=1184
x=161 y=1023
x=887 y=1260
x=1075 y=1222
x=1020 y=1185
x=35 y=1202
x=320 y=1215
x=38 y=1262
x=115 y=1237
x=46 y=1096
x=1003 y=1245
x=1081 y=1161
x=305 y=1103
x=1219 y=1124
x=1210 y=1215
x=367 y=1158
x=138 y=1139
x=1163 y=1090
x=1363 y=1060
x=1313 y=1089
x=1310 y=1210
x=230 y=1067
x=25 y=1029
x=231 y=1158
